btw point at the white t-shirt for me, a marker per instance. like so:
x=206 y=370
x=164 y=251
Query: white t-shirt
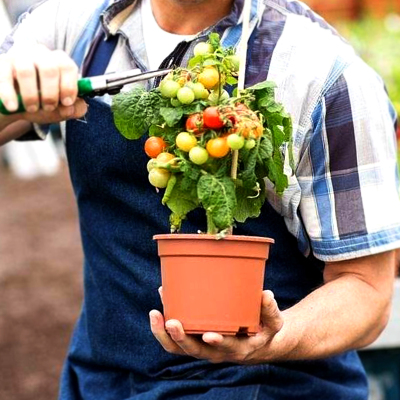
x=159 y=43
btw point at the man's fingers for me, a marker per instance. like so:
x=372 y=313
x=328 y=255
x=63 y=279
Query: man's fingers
x=49 y=78
x=271 y=316
x=159 y=332
x=26 y=77
x=7 y=91
x=68 y=78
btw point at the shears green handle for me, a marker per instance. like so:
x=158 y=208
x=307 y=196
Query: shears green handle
x=85 y=88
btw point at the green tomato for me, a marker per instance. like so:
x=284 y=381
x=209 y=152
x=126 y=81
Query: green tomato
x=159 y=177
x=214 y=99
x=199 y=90
x=202 y=49
x=151 y=164
x=235 y=141
x=185 y=95
x=234 y=62
x=198 y=155
x=186 y=141
x=175 y=103
x=169 y=89
x=250 y=144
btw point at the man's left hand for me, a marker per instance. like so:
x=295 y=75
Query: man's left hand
x=217 y=348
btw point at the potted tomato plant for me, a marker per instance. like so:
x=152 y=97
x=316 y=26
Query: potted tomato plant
x=211 y=149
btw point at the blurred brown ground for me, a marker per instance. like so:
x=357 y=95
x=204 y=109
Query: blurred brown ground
x=40 y=283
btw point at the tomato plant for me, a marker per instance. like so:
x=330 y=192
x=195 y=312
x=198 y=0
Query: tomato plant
x=154 y=146
x=212 y=118
x=193 y=116
x=218 y=147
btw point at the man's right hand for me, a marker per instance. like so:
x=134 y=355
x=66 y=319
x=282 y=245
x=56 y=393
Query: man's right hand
x=47 y=82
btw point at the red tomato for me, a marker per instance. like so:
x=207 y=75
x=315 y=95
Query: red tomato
x=212 y=118
x=194 y=124
x=154 y=146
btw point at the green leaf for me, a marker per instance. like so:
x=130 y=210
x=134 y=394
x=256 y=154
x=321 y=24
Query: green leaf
x=167 y=133
x=170 y=187
x=266 y=149
x=276 y=174
x=181 y=201
x=214 y=40
x=136 y=110
x=195 y=60
x=248 y=176
x=230 y=80
x=249 y=203
x=218 y=198
x=171 y=115
x=263 y=85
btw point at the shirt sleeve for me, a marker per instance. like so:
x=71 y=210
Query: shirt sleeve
x=348 y=174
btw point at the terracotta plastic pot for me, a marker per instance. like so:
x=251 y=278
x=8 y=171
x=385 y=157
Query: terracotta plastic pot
x=213 y=285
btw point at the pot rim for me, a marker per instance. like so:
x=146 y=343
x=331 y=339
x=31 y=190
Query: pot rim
x=198 y=236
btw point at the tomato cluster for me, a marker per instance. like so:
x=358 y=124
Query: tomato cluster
x=220 y=127
x=212 y=133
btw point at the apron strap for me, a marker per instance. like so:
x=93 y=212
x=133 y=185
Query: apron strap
x=88 y=33
x=99 y=55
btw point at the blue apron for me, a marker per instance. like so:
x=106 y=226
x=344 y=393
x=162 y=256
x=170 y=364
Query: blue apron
x=113 y=354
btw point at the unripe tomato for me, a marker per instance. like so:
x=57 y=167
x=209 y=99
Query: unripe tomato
x=233 y=62
x=154 y=146
x=194 y=124
x=185 y=141
x=198 y=155
x=215 y=97
x=250 y=144
x=202 y=49
x=169 y=88
x=235 y=141
x=151 y=164
x=163 y=158
x=200 y=92
x=185 y=95
x=212 y=118
x=159 y=177
x=218 y=147
x=209 y=77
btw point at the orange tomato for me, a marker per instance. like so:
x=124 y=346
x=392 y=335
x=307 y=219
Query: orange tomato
x=209 y=77
x=218 y=147
x=154 y=146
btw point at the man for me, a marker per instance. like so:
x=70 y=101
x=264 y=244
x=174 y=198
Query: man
x=332 y=267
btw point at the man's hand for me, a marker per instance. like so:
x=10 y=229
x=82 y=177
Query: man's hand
x=217 y=348
x=47 y=81
x=347 y=312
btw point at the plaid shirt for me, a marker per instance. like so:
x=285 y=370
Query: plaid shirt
x=342 y=201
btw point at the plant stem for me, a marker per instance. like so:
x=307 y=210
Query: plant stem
x=242 y=75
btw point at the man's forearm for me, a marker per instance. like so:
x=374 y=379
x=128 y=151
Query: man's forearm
x=13 y=129
x=345 y=313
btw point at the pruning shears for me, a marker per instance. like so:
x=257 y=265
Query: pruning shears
x=101 y=85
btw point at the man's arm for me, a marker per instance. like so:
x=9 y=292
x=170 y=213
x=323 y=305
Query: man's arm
x=349 y=311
